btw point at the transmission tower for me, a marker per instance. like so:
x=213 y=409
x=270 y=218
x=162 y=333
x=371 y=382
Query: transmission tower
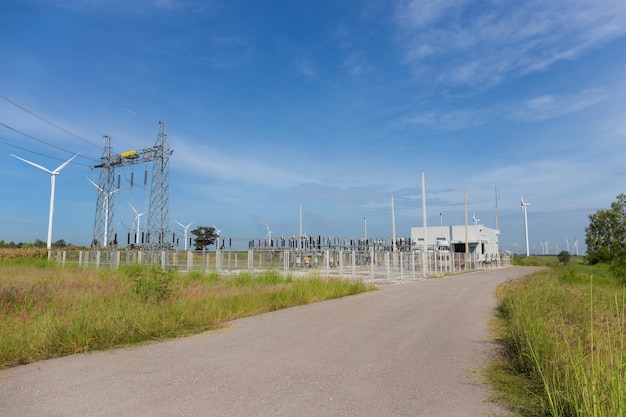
x=103 y=224
x=158 y=214
x=159 y=210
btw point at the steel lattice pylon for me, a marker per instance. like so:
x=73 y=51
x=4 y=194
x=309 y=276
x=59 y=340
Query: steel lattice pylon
x=103 y=224
x=157 y=236
x=159 y=210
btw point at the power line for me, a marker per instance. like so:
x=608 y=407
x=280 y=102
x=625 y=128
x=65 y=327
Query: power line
x=42 y=154
x=42 y=141
x=45 y=101
x=49 y=122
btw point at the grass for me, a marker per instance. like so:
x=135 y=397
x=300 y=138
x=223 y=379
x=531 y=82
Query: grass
x=47 y=311
x=563 y=338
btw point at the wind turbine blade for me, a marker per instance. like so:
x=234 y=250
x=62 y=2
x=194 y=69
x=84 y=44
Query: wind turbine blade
x=64 y=164
x=34 y=164
x=179 y=223
x=133 y=207
x=94 y=184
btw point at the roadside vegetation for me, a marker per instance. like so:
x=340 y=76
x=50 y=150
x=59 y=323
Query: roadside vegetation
x=563 y=340
x=48 y=311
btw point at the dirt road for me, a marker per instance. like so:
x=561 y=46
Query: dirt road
x=403 y=350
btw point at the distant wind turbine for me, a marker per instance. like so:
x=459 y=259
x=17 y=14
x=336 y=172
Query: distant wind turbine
x=576 y=246
x=217 y=232
x=543 y=247
x=137 y=220
x=524 y=205
x=269 y=233
x=185 y=228
x=567 y=244
x=53 y=175
x=547 y=247
x=475 y=219
x=106 y=213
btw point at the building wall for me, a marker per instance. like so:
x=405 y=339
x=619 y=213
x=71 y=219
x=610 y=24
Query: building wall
x=481 y=239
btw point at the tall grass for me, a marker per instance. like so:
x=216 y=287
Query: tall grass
x=564 y=332
x=49 y=312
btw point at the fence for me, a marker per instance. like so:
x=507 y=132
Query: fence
x=371 y=266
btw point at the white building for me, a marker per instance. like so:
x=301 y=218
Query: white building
x=481 y=240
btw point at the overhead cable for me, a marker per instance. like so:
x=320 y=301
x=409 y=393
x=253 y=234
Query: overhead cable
x=49 y=122
x=44 y=142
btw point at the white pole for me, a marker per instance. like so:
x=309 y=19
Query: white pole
x=300 y=242
x=393 y=225
x=524 y=205
x=51 y=215
x=425 y=250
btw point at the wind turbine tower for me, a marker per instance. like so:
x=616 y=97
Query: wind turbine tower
x=53 y=175
x=185 y=228
x=524 y=205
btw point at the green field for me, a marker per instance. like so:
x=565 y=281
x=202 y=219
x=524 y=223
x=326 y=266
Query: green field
x=48 y=311
x=562 y=333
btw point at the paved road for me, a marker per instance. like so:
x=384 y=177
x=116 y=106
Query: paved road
x=404 y=350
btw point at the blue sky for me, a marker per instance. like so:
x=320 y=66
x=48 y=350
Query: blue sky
x=334 y=104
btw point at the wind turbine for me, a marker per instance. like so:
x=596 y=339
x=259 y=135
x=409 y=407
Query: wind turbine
x=217 y=232
x=137 y=219
x=53 y=175
x=269 y=233
x=184 y=231
x=547 y=247
x=576 y=246
x=543 y=247
x=567 y=244
x=106 y=213
x=524 y=205
x=475 y=219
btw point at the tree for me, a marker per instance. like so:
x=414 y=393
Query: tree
x=606 y=234
x=563 y=257
x=205 y=236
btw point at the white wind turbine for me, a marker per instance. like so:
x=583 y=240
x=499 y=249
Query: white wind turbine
x=269 y=233
x=53 y=175
x=576 y=246
x=567 y=244
x=137 y=220
x=217 y=232
x=547 y=247
x=524 y=205
x=185 y=228
x=543 y=247
x=106 y=211
x=475 y=219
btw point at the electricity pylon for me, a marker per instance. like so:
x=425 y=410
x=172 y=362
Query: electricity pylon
x=158 y=213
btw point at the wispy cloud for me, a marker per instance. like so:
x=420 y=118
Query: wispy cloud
x=248 y=169
x=549 y=106
x=503 y=39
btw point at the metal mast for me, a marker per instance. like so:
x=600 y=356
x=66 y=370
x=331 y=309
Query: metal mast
x=159 y=212
x=103 y=224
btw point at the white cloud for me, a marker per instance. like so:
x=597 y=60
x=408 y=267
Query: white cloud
x=549 y=106
x=470 y=48
x=209 y=162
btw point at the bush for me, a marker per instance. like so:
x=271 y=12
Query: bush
x=563 y=257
